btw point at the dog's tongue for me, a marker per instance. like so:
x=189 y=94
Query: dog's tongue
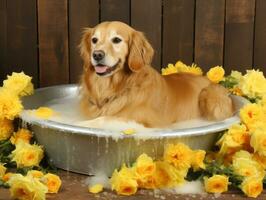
x=100 y=69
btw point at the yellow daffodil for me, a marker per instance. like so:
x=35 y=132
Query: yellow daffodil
x=26 y=155
x=253 y=84
x=52 y=181
x=23 y=135
x=216 y=184
x=124 y=181
x=26 y=188
x=198 y=160
x=10 y=105
x=97 y=188
x=19 y=84
x=6 y=128
x=2 y=170
x=252 y=186
x=170 y=69
x=216 y=74
x=179 y=155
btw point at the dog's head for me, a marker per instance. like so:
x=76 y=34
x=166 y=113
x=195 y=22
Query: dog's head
x=113 y=46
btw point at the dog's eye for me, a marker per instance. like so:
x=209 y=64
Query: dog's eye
x=116 y=40
x=94 y=40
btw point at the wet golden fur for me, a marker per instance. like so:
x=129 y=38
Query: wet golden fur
x=135 y=91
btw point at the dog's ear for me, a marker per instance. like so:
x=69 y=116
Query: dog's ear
x=140 y=52
x=85 y=48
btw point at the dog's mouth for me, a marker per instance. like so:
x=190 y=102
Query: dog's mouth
x=102 y=69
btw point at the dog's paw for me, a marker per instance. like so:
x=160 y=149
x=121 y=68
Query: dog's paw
x=214 y=103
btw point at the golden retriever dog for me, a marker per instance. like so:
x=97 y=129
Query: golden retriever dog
x=119 y=81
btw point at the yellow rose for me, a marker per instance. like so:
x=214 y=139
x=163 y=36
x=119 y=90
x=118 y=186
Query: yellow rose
x=260 y=159
x=19 y=84
x=96 y=188
x=258 y=141
x=2 y=170
x=251 y=114
x=26 y=155
x=21 y=135
x=52 y=181
x=124 y=182
x=179 y=155
x=253 y=84
x=7 y=176
x=10 y=105
x=145 y=166
x=44 y=112
x=252 y=186
x=167 y=176
x=35 y=173
x=244 y=165
x=26 y=188
x=236 y=75
x=198 y=160
x=216 y=74
x=6 y=128
x=216 y=184
x=170 y=69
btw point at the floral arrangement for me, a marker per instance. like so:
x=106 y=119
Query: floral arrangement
x=22 y=165
x=238 y=159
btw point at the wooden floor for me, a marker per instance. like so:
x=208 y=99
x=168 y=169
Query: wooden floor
x=73 y=189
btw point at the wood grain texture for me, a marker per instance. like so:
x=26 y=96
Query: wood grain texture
x=21 y=38
x=82 y=13
x=53 y=42
x=239 y=29
x=178 y=31
x=260 y=36
x=3 y=39
x=209 y=33
x=146 y=17
x=115 y=10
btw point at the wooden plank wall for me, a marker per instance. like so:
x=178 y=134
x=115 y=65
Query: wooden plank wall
x=41 y=37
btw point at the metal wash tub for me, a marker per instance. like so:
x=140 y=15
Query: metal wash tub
x=90 y=150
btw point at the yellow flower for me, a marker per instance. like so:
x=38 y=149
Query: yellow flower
x=197 y=161
x=19 y=84
x=129 y=131
x=216 y=184
x=193 y=69
x=96 y=188
x=180 y=66
x=260 y=159
x=244 y=165
x=252 y=186
x=250 y=114
x=26 y=155
x=6 y=128
x=145 y=169
x=166 y=175
x=179 y=155
x=216 y=74
x=35 y=173
x=237 y=75
x=10 y=105
x=170 y=69
x=21 y=135
x=52 y=181
x=258 y=141
x=2 y=170
x=44 y=112
x=124 y=182
x=235 y=137
x=26 y=188
x=253 y=84
x=7 y=176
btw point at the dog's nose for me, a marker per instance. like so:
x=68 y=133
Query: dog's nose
x=98 y=55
